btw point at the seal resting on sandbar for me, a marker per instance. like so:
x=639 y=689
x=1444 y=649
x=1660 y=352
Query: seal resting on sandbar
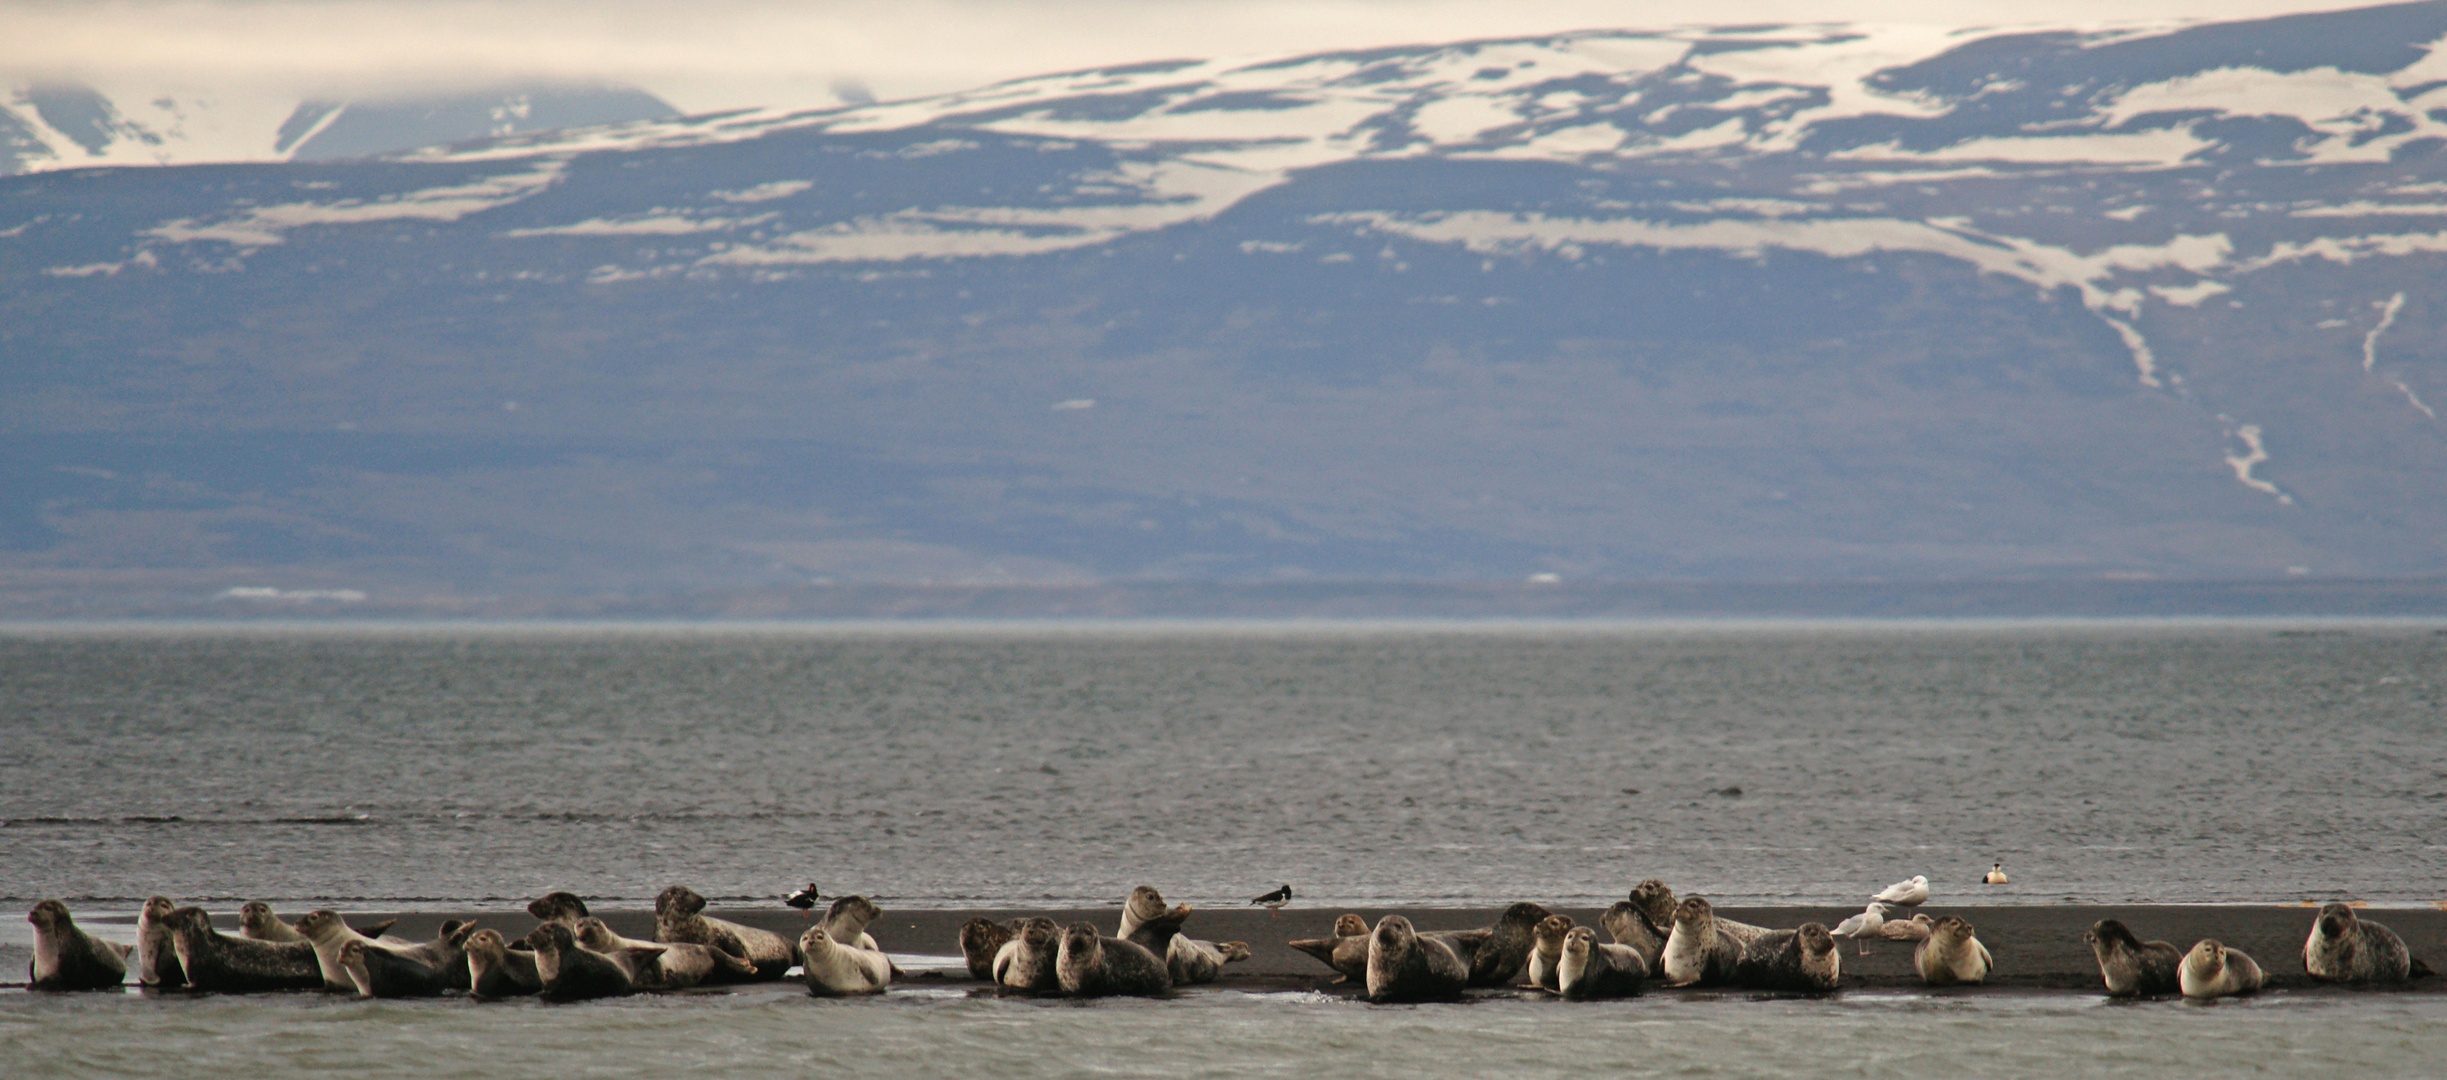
x=1190 y=961
x=2212 y=970
x=494 y=970
x=561 y=907
x=66 y=958
x=1643 y=921
x=981 y=940
x=2346 y=948
x=220 y=963
x=377 y=972
x=1589 y=971
x=1346 y=952
x=1026 y=963
x=1146 y=921
x=571 y=972
x=1952 y=954
x=846 y=920
x=1697 y=953
x=1503 y=953
x=1802 y=960
x=1093 y=965
x=446 y=953
x=156 y=947
x=835 y=969
x=669 y=965
x=2131 y=966
x=1404 y=966
x=679 y=916
x=1546 y=951
x=256 y=920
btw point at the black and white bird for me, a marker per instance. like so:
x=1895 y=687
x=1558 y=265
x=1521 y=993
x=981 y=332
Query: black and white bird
x=805 y=899
x=1275 y=900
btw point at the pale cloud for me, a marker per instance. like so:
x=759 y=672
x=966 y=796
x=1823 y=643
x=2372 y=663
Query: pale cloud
x=731 y=53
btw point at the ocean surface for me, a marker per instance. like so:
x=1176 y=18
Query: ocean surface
x=1470 y=766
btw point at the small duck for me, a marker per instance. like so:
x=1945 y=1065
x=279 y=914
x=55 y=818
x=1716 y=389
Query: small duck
x=805 y=900
x=1996 y=875
x=1274 y=901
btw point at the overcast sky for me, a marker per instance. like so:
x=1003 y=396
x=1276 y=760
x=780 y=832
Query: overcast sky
x=724 y=53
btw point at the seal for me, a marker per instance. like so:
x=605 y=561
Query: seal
x=2346 y=948
x=1027 y=962
x=1190 y=961
x=1150 y=924
x=446 y=953
x=1501 y=957
x=1589 y=971
x=1093 y=965
x=1696 y=954
x=380 y=973
x=1952 y=954
x=663 y=965
x=570 y=972
x=1802 y=960
x=847 y=922
x=2212 y=970
x=156 y=949
x=679 y=917
x=1404 y=966
x=494 y=970
x=256 y=920
x=1346 y=952
x=558 y=907
x=66 y=958
x=2131 y=966
x=835 y=969
x=1643 y=921
x=1546 y=951
x=980 y=940
x=218 y=963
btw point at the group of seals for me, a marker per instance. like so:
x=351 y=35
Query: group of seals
x=2343 y=948
x=1146 y=956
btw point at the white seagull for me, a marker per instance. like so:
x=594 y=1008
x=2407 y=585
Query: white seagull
x=1868 y=923
x=1907 y=893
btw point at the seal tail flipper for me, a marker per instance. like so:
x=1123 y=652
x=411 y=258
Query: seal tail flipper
x=124 y=950
x=1321 y=948
x=2419 y=970
x=378 y=929
x=732 y=962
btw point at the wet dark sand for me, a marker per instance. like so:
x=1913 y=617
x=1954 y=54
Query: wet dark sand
x=2037 y=948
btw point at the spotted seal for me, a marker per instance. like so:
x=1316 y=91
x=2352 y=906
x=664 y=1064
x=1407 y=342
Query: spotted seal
x=679 y=916
x=980 y=940
x=1546 y=951
x=1591 y=971
x=1346 y=952
x=1027 y=963
x=1642 y=921
x=837 y=969
x=1952 y=954
x=1404 y=966
x=256 y=920
x=1190 y=961
x=2131 y=966
x=156 y=947
x=558 y=907
x=220 y=963
x=669 y=965
x=1801 y=960
x=570 y=971
x=67 y=958
x=2212 y=970
x=1093 y=965
x=1696 y=953
x=2346 y=948
x=494 y=970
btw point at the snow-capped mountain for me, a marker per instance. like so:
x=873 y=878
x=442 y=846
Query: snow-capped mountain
x=1762 y=303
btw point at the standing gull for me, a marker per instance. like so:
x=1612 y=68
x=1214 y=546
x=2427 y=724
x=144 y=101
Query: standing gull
x=1867 y=924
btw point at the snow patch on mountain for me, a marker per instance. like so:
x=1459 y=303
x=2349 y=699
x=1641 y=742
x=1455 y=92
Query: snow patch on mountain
x=263 y=226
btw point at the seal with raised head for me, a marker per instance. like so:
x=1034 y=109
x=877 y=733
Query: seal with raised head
x=1405 y=966
x=671 y=965
x=679 y=916
x=980 y=940
x=1802 y=960
x=1148 y=922
x=570 y=971
x=1642 y=921
x=495 y=970
x=445 y=954
x=1696 y=953
x=220 y=963
x=558 y=907
x=2131 y=966
x=1952 y=954
x=836 y=969
x=1026 y=964
x=2212 y=970
x=257 y=921
x=1546 y=951
x=67 y=958
x=1093 y=965
x=1190 y=961
x=2346 y=948
x=1501 y=956
x=1346 y=952
x=156 y=947
x=846 y=920
x=1590 y=971
x=377 y=972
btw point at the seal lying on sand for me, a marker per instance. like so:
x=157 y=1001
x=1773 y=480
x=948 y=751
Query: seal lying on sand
x=1346 y=952
x=2213 y=970
x=2131 y=966
x=679 y=917
x=1546 y=951
x=1093 y=965
x=446 y=953
x=846 y=920
x=2346 y=948
x=66 y=958
x=220 y=963
x=1696 y=953
x=256 y=920
x=674 y=965
x=1952 y=954
x=1643 y=921
x=1501 y=952
x=1146 y=921
x=495 y=970
x=1190 y=961
x=1404 y=966
x=1589 y=971
x=1802 y=960
x=571 y=972
x=835 y=969
x=156 y=947
x=980 y=940
x=377 y=972
x=1027 y=962
x=561 y=907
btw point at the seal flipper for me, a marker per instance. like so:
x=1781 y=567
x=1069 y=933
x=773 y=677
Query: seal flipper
x=2419 y=970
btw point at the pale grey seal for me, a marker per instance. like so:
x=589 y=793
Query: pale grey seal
x=1546 y=951
x=220 y=963
x=67 y=958
x=1802 y=960
x=1696 y=953
x=1093 y=965
x=846 y=920
x=156 y=946
x=1190 y=961
x=670 y=965
x=2212 y=970
x=2131 y=966
x=571 y=972
x=494 y=970
x=1590 y=971
x=1405 y=967
x=1146 y=921
x=1027 y=963
x=1346 y=952
x=446 y=954
x=679 y=916
x=1952 y=954
x=2346 y=948
x=836 y=969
